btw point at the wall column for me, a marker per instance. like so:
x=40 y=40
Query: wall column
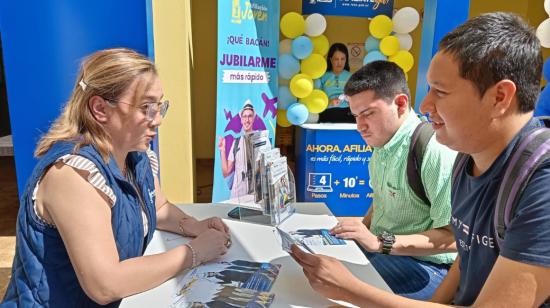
x=172 y=40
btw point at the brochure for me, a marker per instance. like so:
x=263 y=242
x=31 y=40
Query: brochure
x=287 y=241
x=316 y=237
x=238 y=283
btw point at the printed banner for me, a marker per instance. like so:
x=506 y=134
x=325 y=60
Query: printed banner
x=356 y=8
x=332 y=167
x=248 y=44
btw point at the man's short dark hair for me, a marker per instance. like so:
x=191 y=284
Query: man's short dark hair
x=497 y=46
x=385 y=78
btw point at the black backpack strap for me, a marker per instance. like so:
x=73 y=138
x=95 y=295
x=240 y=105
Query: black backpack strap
x=460 y=161
x=419 y=142
x=532 y=150
x=544 y=120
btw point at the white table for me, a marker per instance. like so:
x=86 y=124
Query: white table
x=258 y=243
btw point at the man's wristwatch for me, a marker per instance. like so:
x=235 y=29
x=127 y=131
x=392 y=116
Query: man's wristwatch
x=387 y=239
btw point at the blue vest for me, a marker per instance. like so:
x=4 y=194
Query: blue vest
x=42 y=273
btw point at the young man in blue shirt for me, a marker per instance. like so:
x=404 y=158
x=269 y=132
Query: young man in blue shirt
x=484 y=83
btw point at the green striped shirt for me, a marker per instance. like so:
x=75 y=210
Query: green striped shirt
x=397 y=208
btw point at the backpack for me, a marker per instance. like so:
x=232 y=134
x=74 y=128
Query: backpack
x=231 y=177
x=530 y=152
x=419 y=142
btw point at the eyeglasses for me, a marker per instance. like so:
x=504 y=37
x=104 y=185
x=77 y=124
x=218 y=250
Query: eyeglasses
x=150 y=110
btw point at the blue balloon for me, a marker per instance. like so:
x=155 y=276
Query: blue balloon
x=297 y=113
x=546 y=70
x=543 y=104
x=317 y=83
x=302 y=47
x=371 y=44
x=285 y=98
x=374 y=55
x=288 y=66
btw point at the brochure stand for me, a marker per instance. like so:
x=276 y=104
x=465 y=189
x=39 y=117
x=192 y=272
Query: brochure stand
x=266 y=212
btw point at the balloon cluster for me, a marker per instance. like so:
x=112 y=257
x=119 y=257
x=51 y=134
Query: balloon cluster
x=301 y=64
x=543 y=30
x=390 y=40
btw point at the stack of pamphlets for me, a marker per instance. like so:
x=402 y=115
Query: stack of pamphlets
x=279 y=193
x=270 y=185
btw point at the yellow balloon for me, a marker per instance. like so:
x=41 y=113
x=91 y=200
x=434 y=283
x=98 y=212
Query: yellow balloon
x=320 y=44
x=316 y=102
x=301 y=85
x=315 y=66
x=380 y=26
x=389 y=45
x=292 y=25
x=404 y=59
x=281 y=119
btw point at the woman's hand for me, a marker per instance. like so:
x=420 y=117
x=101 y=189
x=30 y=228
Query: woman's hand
x=217 y=224
x=190 y=226
x=210 y=244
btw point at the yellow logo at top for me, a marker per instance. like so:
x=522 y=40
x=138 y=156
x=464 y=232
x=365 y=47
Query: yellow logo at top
x=377 y=3
x=249 y=11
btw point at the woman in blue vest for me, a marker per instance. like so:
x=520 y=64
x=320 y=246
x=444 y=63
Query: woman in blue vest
x=333 y=82
x=93 y=201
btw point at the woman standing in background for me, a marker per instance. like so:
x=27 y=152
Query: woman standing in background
x=333 y=82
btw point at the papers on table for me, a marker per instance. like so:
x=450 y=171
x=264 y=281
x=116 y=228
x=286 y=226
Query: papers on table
x=238 y=283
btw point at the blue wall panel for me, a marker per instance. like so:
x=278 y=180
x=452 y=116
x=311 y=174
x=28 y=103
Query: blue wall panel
x=43 y=43
x=440 y=17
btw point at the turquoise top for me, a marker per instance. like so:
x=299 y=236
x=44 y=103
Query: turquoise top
x=333 y=85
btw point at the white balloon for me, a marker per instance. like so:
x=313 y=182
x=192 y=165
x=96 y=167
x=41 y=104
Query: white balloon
x=312 y=118
x=315 y=24
x=543 y=33
x=405 y=20
x=547 y=6
x=285 y=46
x=405 y=41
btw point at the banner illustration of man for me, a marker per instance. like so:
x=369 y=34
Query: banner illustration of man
x=234 y=163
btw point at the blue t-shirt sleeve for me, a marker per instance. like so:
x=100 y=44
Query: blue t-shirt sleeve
x=527 y=239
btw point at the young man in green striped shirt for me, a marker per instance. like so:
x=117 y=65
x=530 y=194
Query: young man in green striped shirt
x=408 y=241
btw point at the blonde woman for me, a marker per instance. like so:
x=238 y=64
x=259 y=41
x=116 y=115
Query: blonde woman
x=93 y=201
